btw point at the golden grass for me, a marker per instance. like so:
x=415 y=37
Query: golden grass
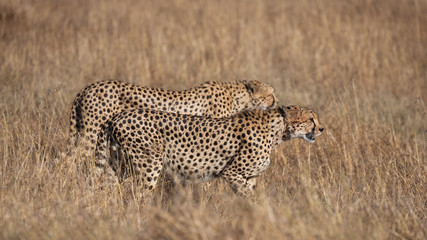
x=361 y=64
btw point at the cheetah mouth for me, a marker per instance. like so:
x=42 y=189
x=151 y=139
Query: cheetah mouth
x=273 y=104
x=309 y=137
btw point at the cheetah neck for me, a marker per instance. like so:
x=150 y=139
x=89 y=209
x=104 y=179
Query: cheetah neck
x=272 y=121
x=239 y=95
x=278 y=127
x=230 y=97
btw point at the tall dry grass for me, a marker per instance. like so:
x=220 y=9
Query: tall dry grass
x=361 y=64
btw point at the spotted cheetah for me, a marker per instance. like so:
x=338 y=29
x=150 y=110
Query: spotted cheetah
x=236 y=148
x=97 y=103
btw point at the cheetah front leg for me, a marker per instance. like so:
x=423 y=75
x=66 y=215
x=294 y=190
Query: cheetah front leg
x=240 y=185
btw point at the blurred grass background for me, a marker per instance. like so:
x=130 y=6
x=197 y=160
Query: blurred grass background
x=362 y=64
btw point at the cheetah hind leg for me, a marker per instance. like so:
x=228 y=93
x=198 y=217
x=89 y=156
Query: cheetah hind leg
x=102 y=161
x=117 y=159
x=145 y=169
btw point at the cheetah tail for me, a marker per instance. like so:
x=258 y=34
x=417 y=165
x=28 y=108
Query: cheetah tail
x=75 y=123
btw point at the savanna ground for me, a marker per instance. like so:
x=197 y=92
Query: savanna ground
x=361 y=64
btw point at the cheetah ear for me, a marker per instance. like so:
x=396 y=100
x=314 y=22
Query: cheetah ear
x=250 y=86
x=282 y=110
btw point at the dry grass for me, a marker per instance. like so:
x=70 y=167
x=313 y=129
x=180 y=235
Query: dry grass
x=361 y=64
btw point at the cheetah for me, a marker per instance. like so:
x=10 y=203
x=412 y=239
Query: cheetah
x=97 y=103
x=235 y=148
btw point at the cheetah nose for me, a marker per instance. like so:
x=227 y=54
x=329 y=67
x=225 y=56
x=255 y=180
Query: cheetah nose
x=321 y=129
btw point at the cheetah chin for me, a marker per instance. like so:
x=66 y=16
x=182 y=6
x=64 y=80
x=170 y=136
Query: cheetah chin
x=309 y=137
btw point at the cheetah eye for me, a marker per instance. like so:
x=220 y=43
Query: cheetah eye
x=312 y=120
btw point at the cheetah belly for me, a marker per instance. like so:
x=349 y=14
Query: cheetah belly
x=198 y=169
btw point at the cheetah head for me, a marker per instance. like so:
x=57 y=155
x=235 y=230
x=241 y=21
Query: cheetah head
x=261 y=95
x=301 y=123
